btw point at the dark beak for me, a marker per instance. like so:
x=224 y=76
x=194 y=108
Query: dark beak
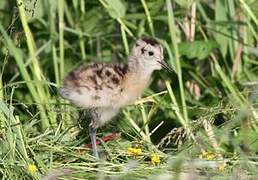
x=165 y=66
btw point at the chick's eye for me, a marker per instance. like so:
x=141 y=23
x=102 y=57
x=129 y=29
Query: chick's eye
x=151 y=53
x=143 y=50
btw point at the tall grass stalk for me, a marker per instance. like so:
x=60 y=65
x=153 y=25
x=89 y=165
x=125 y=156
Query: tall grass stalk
x=135 y=126
x=145 y=122
x=1 y=88
x=236 y=94
x=14 y=133
x=175 y=106
x=82 y=46
x=61 y=37
x=172 y=31
x=53 y=34
x=42 y=93
x=125 y=27
x=21 y=65
x=149 y=19
x=249 y=12
x=124 y=39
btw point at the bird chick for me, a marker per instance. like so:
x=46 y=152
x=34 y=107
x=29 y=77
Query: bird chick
x=104 y=88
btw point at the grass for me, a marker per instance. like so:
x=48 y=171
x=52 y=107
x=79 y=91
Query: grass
x=199 y=122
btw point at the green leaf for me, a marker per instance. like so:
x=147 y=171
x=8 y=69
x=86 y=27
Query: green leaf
x=96 y=23
x=116 y=8
x=155 y=6
x=197 y=49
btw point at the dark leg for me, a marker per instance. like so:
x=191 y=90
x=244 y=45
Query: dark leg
x=93 y=142
x=93 y=130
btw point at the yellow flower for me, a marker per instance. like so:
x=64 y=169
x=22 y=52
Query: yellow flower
x=155 y=159
x=208 y=155
x=32 y=168
x=134 y=151
x=221 y=167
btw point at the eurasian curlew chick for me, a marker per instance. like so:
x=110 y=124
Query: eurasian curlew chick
x=104 y=88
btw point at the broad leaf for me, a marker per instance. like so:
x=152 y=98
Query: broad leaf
x=96 y=23
x=116 y=8
x=197 y=49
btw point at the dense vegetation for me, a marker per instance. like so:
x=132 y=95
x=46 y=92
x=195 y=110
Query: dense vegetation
x=201 y=120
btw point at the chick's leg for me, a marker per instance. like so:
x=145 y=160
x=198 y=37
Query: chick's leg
x=93 y=130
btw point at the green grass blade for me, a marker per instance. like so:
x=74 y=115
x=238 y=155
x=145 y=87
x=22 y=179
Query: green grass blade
x=149 y=19
x=172 y=31
x=61 y=37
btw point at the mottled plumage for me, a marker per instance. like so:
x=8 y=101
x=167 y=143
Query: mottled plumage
x=105 y=87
